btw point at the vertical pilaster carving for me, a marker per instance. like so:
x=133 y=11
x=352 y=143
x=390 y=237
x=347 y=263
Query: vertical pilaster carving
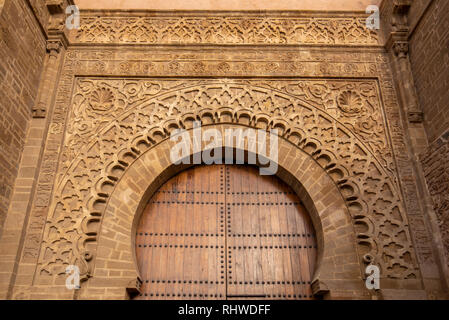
x=56 y=41
x=401 y=51
x=48 y=78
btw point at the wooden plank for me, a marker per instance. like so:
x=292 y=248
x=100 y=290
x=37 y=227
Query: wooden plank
x=180 y=240
x=197 y=219
x=311 y=248
x=265 y=229
x=257 y=231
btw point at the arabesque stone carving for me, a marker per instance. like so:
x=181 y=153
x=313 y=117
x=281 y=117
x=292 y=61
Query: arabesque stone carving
x=221 y=29
x=126 y=79
x=308 y=113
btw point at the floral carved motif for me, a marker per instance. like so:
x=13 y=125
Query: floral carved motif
x=350 y=146
x=101 y=100
x=350 y=102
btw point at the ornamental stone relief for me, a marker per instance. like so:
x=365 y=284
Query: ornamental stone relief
x=354 y=103
x=127 y=81
x=252 y=63
x=219 y=29
x=223 y=62
x=337 y=122
x=66 y=197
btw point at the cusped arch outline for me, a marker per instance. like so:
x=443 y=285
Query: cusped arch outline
x=337 y=260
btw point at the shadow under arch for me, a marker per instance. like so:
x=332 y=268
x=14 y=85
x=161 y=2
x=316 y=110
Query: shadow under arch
x=337 y=262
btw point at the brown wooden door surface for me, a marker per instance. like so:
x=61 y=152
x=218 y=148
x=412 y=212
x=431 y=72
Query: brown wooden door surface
x=225 y=232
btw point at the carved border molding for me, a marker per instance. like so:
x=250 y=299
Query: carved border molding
x=214 y=28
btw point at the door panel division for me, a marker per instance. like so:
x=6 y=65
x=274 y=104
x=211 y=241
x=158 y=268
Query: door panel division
x=225 y=232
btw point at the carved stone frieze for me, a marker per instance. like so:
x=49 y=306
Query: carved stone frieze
x=227 y=63
x=292 y=28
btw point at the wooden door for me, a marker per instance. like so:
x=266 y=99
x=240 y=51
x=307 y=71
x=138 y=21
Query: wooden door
x=225 y=232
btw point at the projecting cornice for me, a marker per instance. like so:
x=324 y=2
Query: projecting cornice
x=224 y=28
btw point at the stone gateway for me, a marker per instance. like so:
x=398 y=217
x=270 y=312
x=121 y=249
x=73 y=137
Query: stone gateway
x=117 y=133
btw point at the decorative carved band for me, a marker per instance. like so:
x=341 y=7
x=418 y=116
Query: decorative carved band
x=221 y=30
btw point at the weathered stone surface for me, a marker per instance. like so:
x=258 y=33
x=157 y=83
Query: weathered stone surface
x=436 y=170
x=98 y=146
x=429 y=47
x=22 y=52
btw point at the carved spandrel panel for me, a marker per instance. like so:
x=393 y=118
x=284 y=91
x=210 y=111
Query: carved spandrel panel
x=341 y=118
x=356 y=104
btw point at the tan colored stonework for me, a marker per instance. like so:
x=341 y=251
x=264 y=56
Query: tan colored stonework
x=113 y=91
x=337 y=264
x=436 y=170
x=22 y=48
x=429 y=46
x=261 y=104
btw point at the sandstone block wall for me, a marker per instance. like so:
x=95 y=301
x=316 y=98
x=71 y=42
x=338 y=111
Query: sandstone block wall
x=429 y=56
x=436 y=169
x=22 y=52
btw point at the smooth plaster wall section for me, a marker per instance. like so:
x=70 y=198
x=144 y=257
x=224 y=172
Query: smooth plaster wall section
x=324 y=5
